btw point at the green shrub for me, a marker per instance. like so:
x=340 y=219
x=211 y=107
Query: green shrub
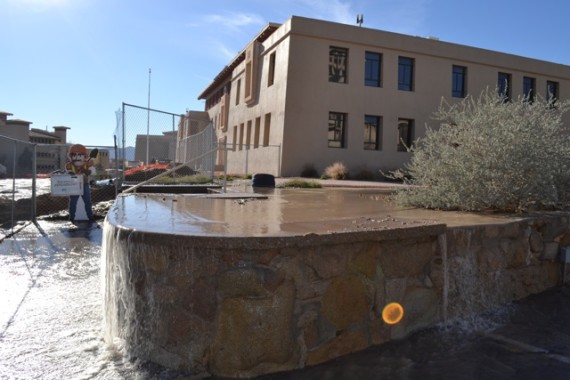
x=337 y=171
x=299 y=183
x=189 y=179
x=491 y=154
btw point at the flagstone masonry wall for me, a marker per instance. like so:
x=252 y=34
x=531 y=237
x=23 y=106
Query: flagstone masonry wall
x=241 y=307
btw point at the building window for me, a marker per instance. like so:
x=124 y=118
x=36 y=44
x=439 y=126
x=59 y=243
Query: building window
x=271 y=73
x=337 y=129
x=338 y=64
x=504 y=86
x=266 y=129
x=372 y=132
x=529 y=89
x=238 y=90
x=234 y=140
x=373 y=69
x=256 y=132
x=405 y=74
x=551 y=91
x=459 y=74
x=405 y=134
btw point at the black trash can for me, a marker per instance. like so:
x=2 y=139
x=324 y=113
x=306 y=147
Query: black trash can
x=263 y=180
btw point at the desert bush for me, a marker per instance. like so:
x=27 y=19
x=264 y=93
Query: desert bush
x=302 y=184
x=196 y=179
x=336 y=171
x=491 y=154
x=309 y=171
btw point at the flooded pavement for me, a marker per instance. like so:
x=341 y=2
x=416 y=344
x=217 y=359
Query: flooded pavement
x=51 y=313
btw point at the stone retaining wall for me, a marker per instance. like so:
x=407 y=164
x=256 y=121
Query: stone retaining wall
x=241 y=307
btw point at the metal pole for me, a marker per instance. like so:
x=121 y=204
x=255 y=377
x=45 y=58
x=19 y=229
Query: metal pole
x=148 y=118
x=225 y=167
x=123 y=153
x=13 y=184
x=246 y=159
x=279 y=160
x=34 y=173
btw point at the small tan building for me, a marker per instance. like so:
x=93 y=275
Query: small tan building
x=310 y=92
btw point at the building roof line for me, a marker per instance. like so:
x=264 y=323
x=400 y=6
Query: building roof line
x=227 y=70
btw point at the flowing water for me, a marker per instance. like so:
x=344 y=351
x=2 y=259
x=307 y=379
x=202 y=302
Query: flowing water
x=21 y=188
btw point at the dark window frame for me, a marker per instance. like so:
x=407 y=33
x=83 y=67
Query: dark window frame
x=529 y=88
x=372 y=69
x=337 y=129
x=406 y=68
x=338 y=64
x=458 y=81
x=405 y=134
x=372 y=123
x=271 y=70
x=504 y=85
x=552 y=91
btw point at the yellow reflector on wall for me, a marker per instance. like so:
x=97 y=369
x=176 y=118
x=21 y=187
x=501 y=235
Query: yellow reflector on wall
x=393 y=313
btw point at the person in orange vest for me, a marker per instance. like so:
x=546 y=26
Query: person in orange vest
x=80 y=164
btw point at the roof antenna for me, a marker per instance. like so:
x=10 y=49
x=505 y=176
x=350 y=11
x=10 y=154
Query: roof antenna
x=359 y=19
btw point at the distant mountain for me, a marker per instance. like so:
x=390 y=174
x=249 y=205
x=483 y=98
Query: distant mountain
x=129 y=153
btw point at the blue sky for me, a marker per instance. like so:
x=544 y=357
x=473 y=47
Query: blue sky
x=73 y=62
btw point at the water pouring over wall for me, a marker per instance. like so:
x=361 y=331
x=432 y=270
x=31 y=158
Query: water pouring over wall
x=210 y=298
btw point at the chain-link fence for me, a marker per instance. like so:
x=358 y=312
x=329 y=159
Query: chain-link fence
x=17 y=181
x=25 y=180
x=250 y=159
x=157 y=147
x=146 y=136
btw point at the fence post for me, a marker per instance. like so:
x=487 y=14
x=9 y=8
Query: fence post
x=123 y=153
x=246 y=159
x=34 y=174
x=279 y=160
x=225 y=167
x=13 y=184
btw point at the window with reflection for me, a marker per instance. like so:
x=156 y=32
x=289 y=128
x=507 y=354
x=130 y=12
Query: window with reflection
x=338 y=64
x=405 y=74
x=372 y=132
x=504 y=86
x=529 y=89
x=459 y=74
x=373 y=69
x=405 y=134
x=337 y=129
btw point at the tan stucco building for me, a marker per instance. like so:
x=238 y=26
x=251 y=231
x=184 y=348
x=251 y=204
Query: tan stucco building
x=310 y=92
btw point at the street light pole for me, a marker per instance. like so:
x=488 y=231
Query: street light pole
x=148 y=118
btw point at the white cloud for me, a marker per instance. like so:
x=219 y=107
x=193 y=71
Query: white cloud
x=226 y=52
x=235 y=20
x=332 y=10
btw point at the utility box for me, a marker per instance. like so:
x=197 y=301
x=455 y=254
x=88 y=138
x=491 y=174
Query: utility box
x=66 y=185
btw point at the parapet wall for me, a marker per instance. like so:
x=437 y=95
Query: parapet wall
x=241 y=307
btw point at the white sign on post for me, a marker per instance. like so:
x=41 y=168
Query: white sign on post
x=66 y=184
